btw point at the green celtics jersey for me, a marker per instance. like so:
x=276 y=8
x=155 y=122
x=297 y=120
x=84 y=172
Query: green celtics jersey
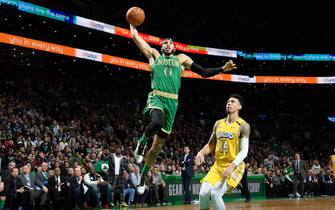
x=166 y=74
x=289 y=171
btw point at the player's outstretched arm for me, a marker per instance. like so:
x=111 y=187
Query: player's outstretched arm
x=145 y=48
x=207 y=149
x=188 y=63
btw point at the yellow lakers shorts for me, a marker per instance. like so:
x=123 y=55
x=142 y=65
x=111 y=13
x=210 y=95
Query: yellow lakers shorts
x=214 y=176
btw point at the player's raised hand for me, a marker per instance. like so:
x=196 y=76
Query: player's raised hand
x=230 y=65
x=199 y=159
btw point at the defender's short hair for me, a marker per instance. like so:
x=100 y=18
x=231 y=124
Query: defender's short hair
x=239 y=97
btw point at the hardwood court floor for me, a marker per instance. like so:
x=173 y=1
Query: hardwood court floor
x=317 y=203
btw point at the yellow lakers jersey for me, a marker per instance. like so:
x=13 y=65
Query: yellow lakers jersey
x=227 y=141
x=332 y=159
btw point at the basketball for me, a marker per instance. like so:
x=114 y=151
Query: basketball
x=135 y=16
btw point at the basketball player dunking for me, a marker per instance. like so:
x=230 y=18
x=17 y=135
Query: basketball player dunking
x=166 y=70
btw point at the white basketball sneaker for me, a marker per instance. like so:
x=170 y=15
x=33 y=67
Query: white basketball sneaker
x=139 y=151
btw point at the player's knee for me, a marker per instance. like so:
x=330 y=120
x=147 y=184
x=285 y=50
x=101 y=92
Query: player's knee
x=157 y=117
x=157 y=123
x=215 y=194
x=162 y=134
x=205 y=191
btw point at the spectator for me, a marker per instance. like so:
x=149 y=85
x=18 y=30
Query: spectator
x=269 y=162
x=268 y=183
x=311 y=183
x=78 y=190
x=158 y=184
x=28 y=181
x=14 y=190
x=118 y=165
x=96 y=184
x=187 y=163
x=278 y=181
x=299 y=175
x=6 y=173
x=41 y=182
x=316 y=167
x=58 y=190
x=135 y=178
x=129 y=188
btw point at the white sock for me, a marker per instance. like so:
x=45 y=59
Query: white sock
x=204 y=195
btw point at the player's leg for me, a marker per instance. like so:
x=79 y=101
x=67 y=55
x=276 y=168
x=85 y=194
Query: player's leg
x=157 y=117
x=217 y=192
x=208 y=182
x=170 y=109
x=226 y=185
x=154 y=151
x=204 y=195
x=164 y=124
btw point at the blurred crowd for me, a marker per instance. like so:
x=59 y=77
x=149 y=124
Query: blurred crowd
x=64 y=125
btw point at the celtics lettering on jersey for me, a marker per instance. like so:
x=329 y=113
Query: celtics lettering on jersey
x=166 y=74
